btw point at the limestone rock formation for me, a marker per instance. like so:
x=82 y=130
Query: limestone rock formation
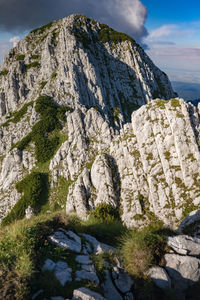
x=148 y=165
x=86 y=268
x=78 y=61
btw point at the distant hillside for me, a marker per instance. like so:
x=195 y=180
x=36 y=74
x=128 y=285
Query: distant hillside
x=187 y=90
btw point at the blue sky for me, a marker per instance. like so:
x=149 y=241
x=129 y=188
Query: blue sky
x=173 y=27
x=174 y=37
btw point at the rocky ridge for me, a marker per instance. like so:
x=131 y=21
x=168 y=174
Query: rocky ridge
x=148 y=166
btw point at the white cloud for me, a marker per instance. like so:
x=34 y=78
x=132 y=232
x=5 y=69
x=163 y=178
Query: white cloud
x=14 y=40
x=163 y=31
x=124 y=15
x=133 y=11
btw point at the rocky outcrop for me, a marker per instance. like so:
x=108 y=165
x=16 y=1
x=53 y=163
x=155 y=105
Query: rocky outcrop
x=147 y=167
x=182 y=266
x=92 y=263
x=158 y=162
x=150 y=168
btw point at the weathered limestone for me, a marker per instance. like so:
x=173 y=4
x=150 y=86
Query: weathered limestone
x=117 y=286
x=60 y=270
x=160 y=277
x=66 y=239
x=185 y=245
x=184 y=271
x=86 y=294
x=147 y=167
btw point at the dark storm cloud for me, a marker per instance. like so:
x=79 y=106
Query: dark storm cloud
x=125 y=15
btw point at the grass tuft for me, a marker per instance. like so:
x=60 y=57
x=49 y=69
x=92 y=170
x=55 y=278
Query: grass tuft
x=142 y=248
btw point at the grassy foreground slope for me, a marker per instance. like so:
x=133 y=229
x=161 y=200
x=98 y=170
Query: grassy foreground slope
x=24 y=247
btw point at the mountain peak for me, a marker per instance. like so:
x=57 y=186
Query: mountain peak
x=80 y=62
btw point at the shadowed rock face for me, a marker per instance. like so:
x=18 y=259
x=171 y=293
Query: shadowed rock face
x=148 y=165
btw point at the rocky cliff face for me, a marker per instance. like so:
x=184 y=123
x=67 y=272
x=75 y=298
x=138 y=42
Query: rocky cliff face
x=67 y=93
x=80 y=62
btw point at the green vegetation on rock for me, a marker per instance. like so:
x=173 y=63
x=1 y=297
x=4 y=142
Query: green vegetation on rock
x=24 y=247
x=141 y=248
x=105 y=212
x=175 y=103
x=20 y=57
x=35 y=56
x=42 y=28
x=45 y=144
x=34 y=64
x=42 y=84
x=116 y=113
x=34 y=189
x=53 y=75
x=4 y=72
x=107 y=34
x=18 y=115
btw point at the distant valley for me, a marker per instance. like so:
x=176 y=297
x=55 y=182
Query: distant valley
x=187 y=90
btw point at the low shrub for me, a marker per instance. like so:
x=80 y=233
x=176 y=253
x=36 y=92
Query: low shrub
x=141 y=248
x=105 y=212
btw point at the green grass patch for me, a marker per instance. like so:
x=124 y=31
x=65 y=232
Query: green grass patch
x=161 y=104
x=45 y=144
x=34 y=189
x=42 y=28
x=107 y=34
x=35 y=56
x=53 y=75
x=4 y=72
x=180 y=115
x=107 y=232
x=105 y=212
x=175 y=103
x=167 y=155
x=17 y=115
x=20 y=57
x=24 y=247
x=42 y=84
x=142 y=248
x=58 y=194
x=33 y=64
